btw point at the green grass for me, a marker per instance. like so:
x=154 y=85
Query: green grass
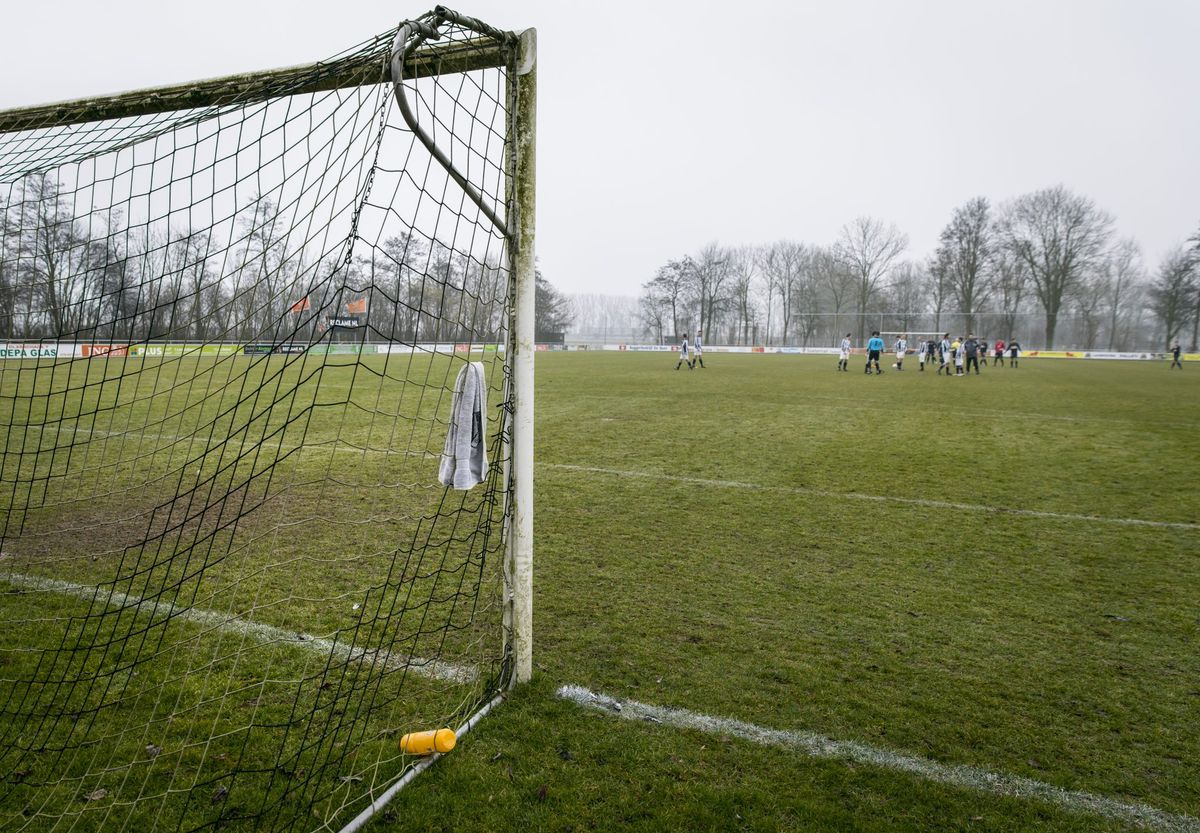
x=725 y=561
x=960 y=635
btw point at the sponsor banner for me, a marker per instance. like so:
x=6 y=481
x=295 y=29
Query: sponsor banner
x=273 y=349
x=94 y=350
x=192 y=350
x=146 y=350
x=219 y=349
x=427 y=347
x=1102 y=354
x=1050 y=354
x=336 y=349
x=30 y=351
x=346 y=322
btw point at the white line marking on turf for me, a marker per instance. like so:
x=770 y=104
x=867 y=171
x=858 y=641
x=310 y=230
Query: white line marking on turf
x=957 y=775
x=936 y=504
x=267 y=634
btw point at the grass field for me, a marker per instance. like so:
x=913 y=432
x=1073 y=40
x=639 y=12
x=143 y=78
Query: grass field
x=1000 y=573
x=1060 y=649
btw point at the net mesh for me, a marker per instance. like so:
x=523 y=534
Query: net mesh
x=230 y=576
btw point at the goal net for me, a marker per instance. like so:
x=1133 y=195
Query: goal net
x=234 y=318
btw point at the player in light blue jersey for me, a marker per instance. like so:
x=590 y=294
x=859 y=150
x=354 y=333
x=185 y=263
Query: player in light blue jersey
x=874 y=350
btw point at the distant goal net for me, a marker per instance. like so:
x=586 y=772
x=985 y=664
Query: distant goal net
x=264 y=405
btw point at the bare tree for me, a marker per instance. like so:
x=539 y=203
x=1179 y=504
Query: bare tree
x=712 y=270
x=780 y=263
x=743 y=269
x=1121 y=272
x=1010 y=285
x=668 y=290
x=868 y=248
x=938 y=288
x=1059 y=236
x=907 y=293
x=53 y=257
x=11 y=289
x=1089 y=302
x=963 y=256
x=806 y=297
x=552 y=309
x=836 y=280
x=1171 y=293
x=1194 y=256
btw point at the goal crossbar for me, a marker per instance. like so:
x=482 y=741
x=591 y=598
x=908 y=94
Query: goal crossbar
x=429 y=60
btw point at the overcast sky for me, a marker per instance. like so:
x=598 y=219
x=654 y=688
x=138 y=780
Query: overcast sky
x=667 y=125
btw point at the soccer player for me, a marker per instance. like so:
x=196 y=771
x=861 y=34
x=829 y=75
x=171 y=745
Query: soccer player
x=844 y=361
x=1175 y=362
x=983 y=351
x=1014 y=350
x=698 y=352
x=972 y=348
x=874 y=349
x=944 y=355
x=960 y=355
x=683 y=354
x=901 y=350
x=999 y=356
x=922 y=354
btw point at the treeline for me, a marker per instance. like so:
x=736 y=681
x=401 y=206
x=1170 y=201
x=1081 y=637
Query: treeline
x=249 y=277
x=1046 y=268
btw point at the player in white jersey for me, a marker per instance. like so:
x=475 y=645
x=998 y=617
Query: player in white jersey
x=901 y=350
x=944 y=355
x=698 y=351
x=683 y=354
x=844 y=360
x=922 y=354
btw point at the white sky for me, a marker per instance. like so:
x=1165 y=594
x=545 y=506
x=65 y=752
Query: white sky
x=667 y=125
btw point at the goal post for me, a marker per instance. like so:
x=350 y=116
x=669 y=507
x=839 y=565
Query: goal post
x=266 y=390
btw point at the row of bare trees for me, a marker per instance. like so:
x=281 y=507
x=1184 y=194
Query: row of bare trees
x=95 y=277
x=1042 y=259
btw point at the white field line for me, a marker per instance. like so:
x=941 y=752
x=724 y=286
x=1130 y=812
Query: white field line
x=337 y=445
x=956 y=775
x=936 y=504
x=265 y=634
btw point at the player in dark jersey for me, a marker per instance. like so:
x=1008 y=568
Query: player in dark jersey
x=1014 y=351
x=1175 y=362
x=972 y=348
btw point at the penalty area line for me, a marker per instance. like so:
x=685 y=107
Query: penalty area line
x=955 y=775
x=935 y=504
x=258 y=631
